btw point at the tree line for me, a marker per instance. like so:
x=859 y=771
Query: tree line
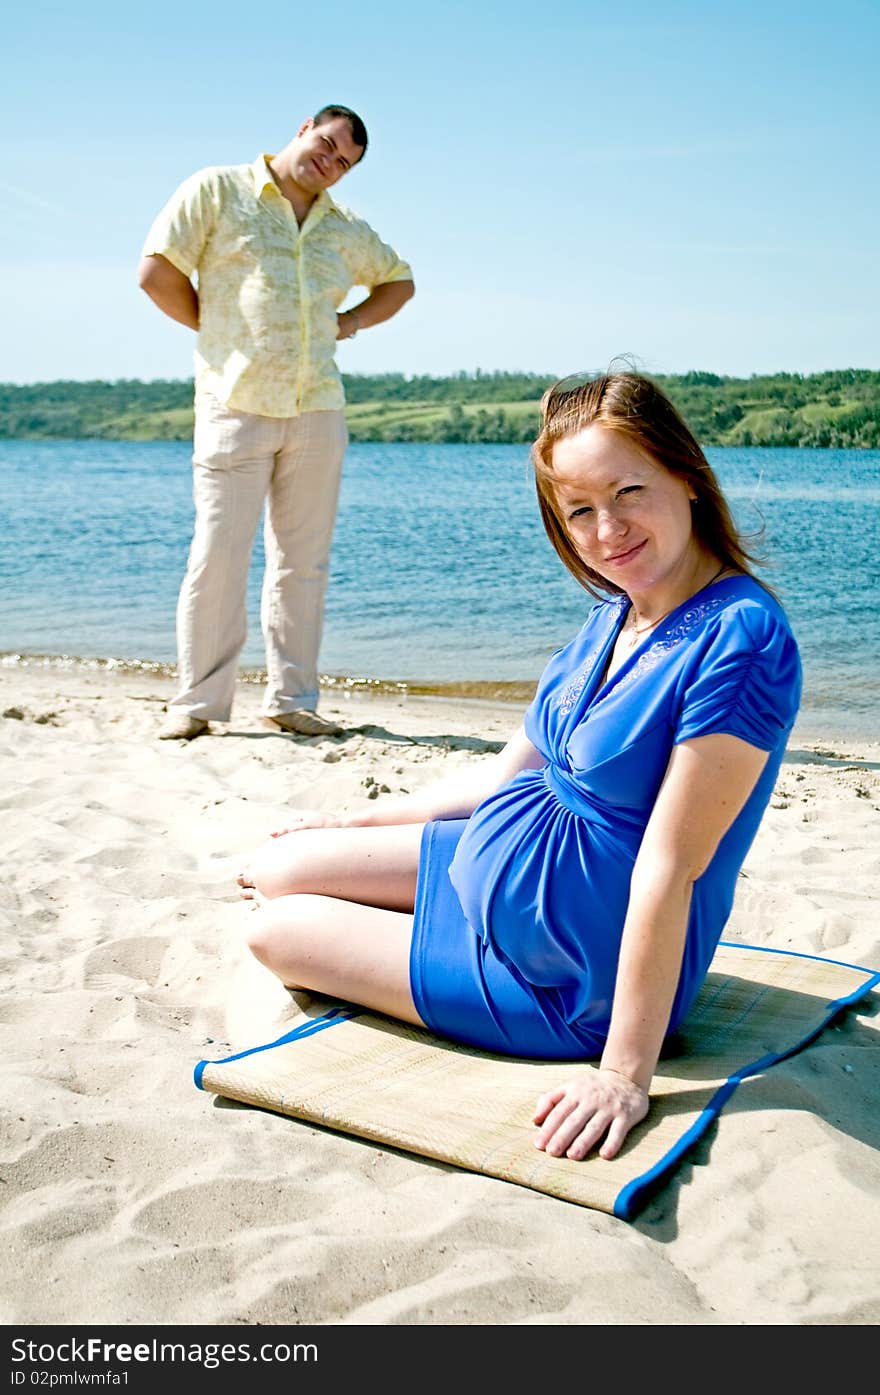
x=836 y=408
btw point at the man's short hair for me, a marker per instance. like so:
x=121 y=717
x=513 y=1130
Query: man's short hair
x=358 y=129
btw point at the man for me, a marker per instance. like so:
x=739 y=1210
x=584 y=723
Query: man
x=274 y=257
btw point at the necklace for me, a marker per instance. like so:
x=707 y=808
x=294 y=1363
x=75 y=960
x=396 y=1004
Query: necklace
x=636 y=630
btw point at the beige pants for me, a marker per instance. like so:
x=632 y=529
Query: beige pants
x=240 y=462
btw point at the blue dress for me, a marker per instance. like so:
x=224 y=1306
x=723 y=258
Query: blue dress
x=520 y=908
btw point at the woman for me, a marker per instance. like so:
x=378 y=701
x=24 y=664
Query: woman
x=564 y=899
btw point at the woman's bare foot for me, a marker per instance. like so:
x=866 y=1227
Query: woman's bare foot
x=248 y=891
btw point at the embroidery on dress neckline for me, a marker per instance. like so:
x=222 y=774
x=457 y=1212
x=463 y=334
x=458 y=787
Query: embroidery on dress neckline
x=682 y=627
x=646 y=661
x=575 y=685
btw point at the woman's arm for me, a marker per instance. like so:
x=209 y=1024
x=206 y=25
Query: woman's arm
x=706 y=784
x=455 y=797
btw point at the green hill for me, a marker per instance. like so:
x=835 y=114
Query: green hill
x=836 y=408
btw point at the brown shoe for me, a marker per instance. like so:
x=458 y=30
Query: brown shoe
x=180 y=726
x=302 y=722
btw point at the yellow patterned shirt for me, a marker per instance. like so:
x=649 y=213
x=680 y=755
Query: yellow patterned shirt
x=268 y=289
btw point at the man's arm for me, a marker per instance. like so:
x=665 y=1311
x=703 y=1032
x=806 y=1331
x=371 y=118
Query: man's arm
x=379 y=305
x=173 y=292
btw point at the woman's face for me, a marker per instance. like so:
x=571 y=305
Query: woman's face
x=628 y=518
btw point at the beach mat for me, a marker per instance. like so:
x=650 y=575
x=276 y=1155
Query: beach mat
x=363 y=1074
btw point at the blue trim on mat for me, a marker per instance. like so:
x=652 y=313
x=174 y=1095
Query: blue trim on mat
x=795 y=954
x=305 y=1029
x=632 y=1197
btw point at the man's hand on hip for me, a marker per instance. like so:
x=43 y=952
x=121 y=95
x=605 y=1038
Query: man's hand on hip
x=347 y=324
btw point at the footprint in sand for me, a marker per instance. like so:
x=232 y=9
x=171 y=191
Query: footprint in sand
x=139 y=960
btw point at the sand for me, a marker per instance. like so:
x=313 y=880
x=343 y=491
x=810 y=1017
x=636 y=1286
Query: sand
x=129 y=1197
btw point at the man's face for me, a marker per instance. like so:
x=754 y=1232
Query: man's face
x=324 y=153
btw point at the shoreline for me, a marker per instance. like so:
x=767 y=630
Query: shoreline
x=813 y=725
x=511 y=691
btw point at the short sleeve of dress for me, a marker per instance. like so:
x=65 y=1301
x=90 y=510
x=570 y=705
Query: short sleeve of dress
x=747 y=682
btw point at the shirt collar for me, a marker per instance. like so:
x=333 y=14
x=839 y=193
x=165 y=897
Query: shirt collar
x=262 y=177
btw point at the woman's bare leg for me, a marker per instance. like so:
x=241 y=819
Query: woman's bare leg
x=339 y=949
x=374 y=866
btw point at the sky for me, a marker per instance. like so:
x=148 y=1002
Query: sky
x=693 y=185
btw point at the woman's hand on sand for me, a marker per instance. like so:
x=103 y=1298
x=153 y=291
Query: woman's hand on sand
x=311 y=818
x=575 y=1117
